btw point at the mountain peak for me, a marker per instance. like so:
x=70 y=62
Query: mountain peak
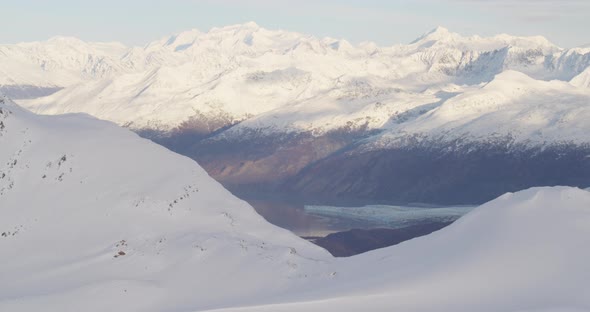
x=439 y=30
x=184 y=37
x=250 y=24
x=66 y=40
x=438 y=33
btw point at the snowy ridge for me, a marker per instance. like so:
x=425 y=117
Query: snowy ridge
x=119 y=223
x=513 y=105
x=280 y=81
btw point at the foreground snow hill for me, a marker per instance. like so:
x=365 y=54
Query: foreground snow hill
x=521 y=252
x=93 y=218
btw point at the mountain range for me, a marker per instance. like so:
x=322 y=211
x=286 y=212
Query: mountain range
x=445 y=119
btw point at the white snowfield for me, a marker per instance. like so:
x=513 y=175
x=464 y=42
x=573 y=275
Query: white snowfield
x=279 y=81
x=76 y=191
x=94 y=218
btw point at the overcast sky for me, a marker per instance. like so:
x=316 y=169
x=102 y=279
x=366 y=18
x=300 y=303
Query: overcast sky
x=136 y=22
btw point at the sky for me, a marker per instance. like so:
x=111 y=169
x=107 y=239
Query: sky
x=386 y=22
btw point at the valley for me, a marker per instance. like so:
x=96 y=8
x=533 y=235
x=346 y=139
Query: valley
x=300 y=120
x=246 y=168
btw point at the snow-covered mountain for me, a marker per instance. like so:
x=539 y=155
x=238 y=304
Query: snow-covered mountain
x=511 y=104
x=258 y=107
x=37 y=68
x=238 y=72
x=94 y=218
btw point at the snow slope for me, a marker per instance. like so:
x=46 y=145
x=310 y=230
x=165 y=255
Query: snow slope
x=520 y=252
x=280 y=81
x=94 y=218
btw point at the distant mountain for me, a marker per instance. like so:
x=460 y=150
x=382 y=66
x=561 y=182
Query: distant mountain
x=266 y=110
x=54 y=64
x=242 y=71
